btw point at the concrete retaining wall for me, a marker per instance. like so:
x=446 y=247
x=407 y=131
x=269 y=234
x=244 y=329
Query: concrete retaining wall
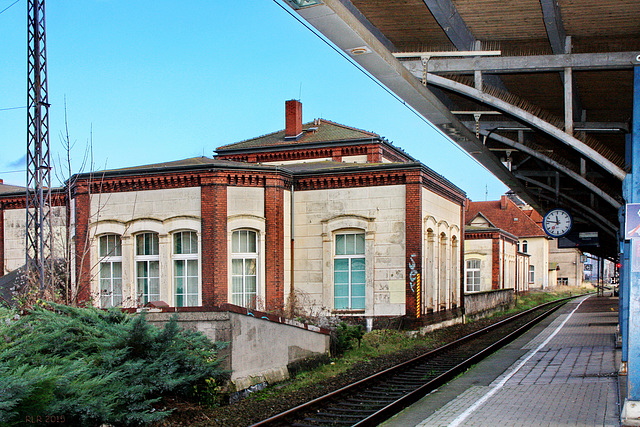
x=259 y=349
x=481 y=302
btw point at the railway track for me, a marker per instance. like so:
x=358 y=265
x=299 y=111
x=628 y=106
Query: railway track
x=378 y=397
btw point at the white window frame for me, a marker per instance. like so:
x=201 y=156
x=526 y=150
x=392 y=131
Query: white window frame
x=147 y=259
x=473 y=286
x=244 y=298
x=525 y=247
x=532 y=273
x=189 y=299
x=350 y=257
x=111 y=294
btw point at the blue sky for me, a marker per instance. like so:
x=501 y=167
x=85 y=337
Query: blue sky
x=155 y=81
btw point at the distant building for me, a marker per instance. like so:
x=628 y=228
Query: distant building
x=524 y=255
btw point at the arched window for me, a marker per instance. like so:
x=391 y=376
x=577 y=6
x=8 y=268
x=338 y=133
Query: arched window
x=244 y=274
x=110 y=252
x=349 y=276
x=185 y=268
x=472 y=274
x=532 y=274
x=525 y=246
x=147 y=261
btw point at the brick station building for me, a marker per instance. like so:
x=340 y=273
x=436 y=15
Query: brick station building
x=336 y=216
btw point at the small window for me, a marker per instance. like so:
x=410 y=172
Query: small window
x=244 y=271
x=525 y=247
x=472 y=273
x=110 y=252
x=185 y=268
x=532 y=274
x=349 y=272
x=147 y=267
x=563 y=281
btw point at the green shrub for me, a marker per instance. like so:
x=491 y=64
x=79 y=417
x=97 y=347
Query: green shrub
x=91 y=366
x=343 y=338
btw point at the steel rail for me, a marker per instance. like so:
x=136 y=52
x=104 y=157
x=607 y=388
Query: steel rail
x=410 y=397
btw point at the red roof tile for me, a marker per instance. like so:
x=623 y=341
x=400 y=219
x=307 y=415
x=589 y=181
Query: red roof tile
x=511 y=219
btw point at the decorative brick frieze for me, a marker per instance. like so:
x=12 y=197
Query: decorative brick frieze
x=413 y=240
x=214 y=240
x=274 y=244
x=364 y=179
x=245 y=179
x=391 y=156
x=160 y=181
x=335 y=153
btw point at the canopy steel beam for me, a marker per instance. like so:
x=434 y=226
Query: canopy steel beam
x=533 y=120
x=552 y=163
x=508 y=125
x=598 y=220
x=336 y=20
x=526 y=64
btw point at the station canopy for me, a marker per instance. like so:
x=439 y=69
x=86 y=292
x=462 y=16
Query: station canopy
x=538 y=91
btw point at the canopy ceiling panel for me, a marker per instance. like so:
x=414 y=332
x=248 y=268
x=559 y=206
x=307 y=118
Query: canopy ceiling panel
x=553 y=79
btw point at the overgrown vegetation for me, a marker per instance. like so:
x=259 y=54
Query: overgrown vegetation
x=89 y=366
x=345 y=337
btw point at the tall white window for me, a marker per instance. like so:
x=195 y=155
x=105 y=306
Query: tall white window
x=244 y=274
x=472 y=273
x=532 y=274
x=525 y=246
x=185 y=268
x=147 y=267
x=349 y=272
x=110 y=252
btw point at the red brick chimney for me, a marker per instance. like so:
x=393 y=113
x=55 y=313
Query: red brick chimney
x=293 y=118
x=503 y=202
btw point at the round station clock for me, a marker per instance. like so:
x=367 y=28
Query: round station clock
x=557 y=222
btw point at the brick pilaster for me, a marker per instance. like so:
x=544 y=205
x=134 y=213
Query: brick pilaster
x=336 y=154
x=274 y=243
x=1 y=240
x=82 y=244
x=213 y=199
x=413 y=237
x=374 y=154
x=463 y=222
x=495 y=262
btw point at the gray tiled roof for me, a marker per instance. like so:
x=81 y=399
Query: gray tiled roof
x=326 y=131
x=8 y=189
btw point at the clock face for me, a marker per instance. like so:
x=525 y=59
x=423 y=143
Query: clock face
x=557 y=222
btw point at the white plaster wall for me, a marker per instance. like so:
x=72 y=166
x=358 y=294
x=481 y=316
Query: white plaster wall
x=509 y=257
x=538 y=248
x=291 y=162
x=130 y=213
x=568 y=260
x=355 y=159
x=480 y=249
x=245 y=201
x=152 y=204
x=440 y=271
x=14 y=236
x=382 y=211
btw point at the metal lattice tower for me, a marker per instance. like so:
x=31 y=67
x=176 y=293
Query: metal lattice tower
x=39 y=260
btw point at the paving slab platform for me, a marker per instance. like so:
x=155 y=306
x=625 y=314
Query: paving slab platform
x=563 y=372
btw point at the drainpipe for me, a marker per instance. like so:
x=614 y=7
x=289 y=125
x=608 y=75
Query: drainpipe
x=291 y=285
